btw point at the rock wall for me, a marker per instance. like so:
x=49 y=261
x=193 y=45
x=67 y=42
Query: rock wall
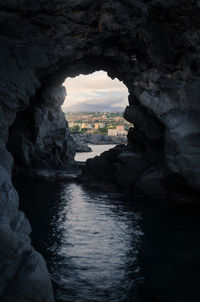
x=152 y=46
x=40 y=136
x=82 y=140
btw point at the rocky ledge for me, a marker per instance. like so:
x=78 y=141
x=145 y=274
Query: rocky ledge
x=127 y=169
x=81 y=143
x=102 y=139
x=72 y=173
x=82 y=140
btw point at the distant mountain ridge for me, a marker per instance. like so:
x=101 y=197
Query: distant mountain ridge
x=85 y=107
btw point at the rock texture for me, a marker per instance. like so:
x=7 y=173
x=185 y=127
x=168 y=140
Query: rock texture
x=152 y=46
x=127 y=168
x=102 y=139
x=82 y=140
x=40 y=137
x=24 y=275
x=81 y=143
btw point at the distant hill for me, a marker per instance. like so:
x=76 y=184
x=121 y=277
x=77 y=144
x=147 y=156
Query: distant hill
x=92 y=108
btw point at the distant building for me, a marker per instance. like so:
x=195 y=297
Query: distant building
x=118 y=131
x=120 y=127
x=99 y=126
x=89 y=126
x=84 y=126
x=72 y=124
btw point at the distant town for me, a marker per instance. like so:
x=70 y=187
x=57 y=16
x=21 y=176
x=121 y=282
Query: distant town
x=108 y=123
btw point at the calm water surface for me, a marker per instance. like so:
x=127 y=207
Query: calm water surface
x=96 y=150
x=102 y=247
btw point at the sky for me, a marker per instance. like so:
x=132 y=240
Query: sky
x=93 y=88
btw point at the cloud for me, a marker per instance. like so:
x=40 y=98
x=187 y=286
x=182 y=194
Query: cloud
x=115 y=99
x=96 y=87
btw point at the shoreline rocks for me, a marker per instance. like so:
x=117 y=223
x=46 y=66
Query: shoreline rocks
x=25 y=274
x=127 y=169
x=82 y=140
x=40 y=136
x=71 y=173
x=102 y=139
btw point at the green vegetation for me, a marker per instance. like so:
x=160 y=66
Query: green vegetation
x=75 y=128
x=96 y=122
x=103 y=130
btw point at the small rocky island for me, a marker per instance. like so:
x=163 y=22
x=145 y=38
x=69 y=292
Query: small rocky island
x=82 y=140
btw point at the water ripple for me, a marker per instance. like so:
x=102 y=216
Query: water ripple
x=100 y=241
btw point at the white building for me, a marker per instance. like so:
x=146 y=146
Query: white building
x=99 y=126
x=115 y=132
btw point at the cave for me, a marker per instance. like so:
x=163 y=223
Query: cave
x=40 y=137
x=152 y=47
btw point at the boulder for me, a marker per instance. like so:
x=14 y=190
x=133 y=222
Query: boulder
x=129 y=167
x=182 y=149
x=153 y=183
x=25 y=276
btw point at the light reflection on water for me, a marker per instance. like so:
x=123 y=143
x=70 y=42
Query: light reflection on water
x=96 y=150
x=99 y=247
x=96 y=250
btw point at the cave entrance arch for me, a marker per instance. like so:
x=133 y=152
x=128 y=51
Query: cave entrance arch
x=38 y=137
x=94 y=108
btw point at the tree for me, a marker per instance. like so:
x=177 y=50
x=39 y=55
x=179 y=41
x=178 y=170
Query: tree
x=75 y=128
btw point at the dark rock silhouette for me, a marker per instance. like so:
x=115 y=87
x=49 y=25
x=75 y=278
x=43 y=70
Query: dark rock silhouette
x=152 y=46
x=82 y=140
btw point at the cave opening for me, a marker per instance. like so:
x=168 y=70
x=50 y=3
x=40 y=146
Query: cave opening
x=40 y=140
x=94 y=107
x=40 y=137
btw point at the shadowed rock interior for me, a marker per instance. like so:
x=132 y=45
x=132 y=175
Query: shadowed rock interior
x=153 y=47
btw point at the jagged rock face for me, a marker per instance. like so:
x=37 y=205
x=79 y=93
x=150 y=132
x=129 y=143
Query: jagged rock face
x=40 y=137
x=23 y=270
x=152 y=46
x=129 y=169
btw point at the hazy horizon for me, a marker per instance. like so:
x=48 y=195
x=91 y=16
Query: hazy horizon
x=95 y=90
